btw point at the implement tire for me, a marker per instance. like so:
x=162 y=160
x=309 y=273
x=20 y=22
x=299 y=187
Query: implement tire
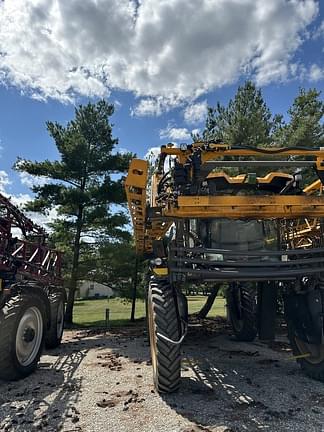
x=309 y=355
x=22 y=332
x=163 y=320
x=242 y=310
x=54 y=334
x=312 y=366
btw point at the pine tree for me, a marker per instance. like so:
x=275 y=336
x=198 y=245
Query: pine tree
x=85 y=185
x=245 y=121
x=305 y=128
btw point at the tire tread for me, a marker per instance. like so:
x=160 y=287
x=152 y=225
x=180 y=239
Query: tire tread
x=166 y=323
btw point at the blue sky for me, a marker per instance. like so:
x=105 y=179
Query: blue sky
x=160 y=62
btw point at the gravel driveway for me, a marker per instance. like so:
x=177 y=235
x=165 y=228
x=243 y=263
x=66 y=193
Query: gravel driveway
x=103 y=382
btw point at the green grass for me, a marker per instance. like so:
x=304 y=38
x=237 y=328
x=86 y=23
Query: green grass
x=91 y=313
x=196 y=303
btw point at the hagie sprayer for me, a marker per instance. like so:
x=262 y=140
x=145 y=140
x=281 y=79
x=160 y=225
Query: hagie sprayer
x=261 y=234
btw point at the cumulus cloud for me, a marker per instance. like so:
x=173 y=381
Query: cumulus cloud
x=30 y=181
x=44 y=220
x=152 y=153
x=4 y=181
x=196 y=113
x=40 y=219
x=174 y=133
x=316 y=73
x=168 y=50
x=319 y=31
x=21 y=199
x=155 y=106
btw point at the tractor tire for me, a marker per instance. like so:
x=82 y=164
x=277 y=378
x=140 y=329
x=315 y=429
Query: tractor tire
x=312 y=366
x=163 y=320
x=310 y=356
x=242 y=311
x=22 y=333
x=54 y=334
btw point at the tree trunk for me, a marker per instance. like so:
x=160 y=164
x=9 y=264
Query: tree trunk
x=209 y=303
x=75 y=268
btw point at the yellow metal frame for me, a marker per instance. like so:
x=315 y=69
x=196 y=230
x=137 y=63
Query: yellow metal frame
x=241 y=178
x=310 y=205
x=218 y=151
x=135 y=186
x=136 y=192
x=253 y=206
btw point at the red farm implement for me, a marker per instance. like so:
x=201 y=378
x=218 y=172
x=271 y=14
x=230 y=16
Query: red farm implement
x=31 y=297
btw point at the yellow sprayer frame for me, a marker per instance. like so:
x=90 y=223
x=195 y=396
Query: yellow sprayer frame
x=225 y=206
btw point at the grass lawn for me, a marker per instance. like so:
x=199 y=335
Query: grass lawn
x=89 y=313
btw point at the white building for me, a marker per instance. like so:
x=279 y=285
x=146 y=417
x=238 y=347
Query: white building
x=91 y=289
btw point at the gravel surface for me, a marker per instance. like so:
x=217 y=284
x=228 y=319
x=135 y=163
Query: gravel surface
x=103 y=382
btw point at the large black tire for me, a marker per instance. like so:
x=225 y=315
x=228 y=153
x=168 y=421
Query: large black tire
x=309 y=327
x=22 y=332
x=54 y=334
x=312 y=366
x=163 y=320
x=242 y=310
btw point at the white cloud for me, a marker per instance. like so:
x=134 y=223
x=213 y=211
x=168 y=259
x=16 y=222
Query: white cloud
x=316 y=73
x=4 y=181
x=155 y=106
x=174 y=133
x=147 y=107
x=319 y=31
x=196 y=131
x=196 y=113
x=21 y=199
x=152 y=153
x=117 y=104
x=17 y=200
x=123 y=150
x=30 y=181
x=44 y=220
x=168 y=50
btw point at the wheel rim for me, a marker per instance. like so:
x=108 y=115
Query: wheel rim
x=316 y=351
x=153 y=340
x=60 y=319
x=29 y=336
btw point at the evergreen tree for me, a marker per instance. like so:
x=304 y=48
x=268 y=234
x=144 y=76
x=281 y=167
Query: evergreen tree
x=86 y=184
x=305 y=128
x=245 y=121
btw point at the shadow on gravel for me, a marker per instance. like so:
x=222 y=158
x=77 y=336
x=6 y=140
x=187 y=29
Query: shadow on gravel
x=235 y=385
x=44 y=399
x=244 y=387
x=241 y=386
x=232 y=384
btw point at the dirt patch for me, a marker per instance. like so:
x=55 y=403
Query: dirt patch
x=99 y=381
